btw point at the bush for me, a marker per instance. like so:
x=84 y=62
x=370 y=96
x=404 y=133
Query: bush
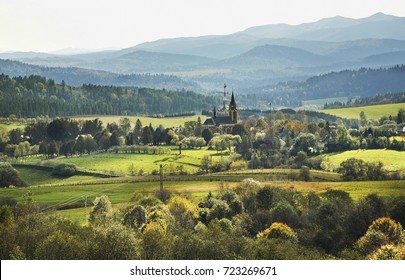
x=285 y=213
x=382 y=231
x=281 y=231
x=305 y=174
x=9 y=176
x=64 y=170
x=136 y=217
x=358 y=170
x=353 y=170
x=386 y=252
x=238 y=165
x=102 y=210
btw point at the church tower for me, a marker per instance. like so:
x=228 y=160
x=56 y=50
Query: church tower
x=233 y=112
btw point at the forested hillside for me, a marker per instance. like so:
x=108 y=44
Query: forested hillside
x=75 y=76
x=387 y=98
x=348 y=83
x=37 y=96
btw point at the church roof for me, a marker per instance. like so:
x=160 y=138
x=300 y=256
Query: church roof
x=219 y=120
x=209 y=122
x=233 y=103
x=223 y=120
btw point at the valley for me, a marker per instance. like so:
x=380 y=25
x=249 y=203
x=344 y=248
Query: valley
x=274 y=142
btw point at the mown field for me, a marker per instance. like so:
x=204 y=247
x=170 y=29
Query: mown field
x=35 y=177
x=119 y=164
x=392 y=160
x=372 y=112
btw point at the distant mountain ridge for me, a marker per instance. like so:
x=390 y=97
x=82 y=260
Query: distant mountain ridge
x=336 y=29
x=255 y=57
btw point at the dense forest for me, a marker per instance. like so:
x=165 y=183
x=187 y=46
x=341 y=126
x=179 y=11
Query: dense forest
x=387 y=98
x=348 y=83
x=75 y=76
x=37 y=96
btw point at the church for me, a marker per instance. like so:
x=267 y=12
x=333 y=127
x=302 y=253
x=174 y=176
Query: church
x=221 y=122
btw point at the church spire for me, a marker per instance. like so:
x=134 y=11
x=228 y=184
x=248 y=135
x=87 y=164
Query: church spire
x=233 y=112
x=233 y=103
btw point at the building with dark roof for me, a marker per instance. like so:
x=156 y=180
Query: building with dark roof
x=223 y=122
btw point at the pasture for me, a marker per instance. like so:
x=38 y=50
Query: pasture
x=119 y=164
x=34 y=177
x=372 y=112
x=392 y=160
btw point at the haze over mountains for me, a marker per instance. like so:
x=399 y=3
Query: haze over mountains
x=256 y=57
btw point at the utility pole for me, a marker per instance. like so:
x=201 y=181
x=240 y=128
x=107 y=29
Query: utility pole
x=270 y=111
x=85 y=209
x=161 y=178
x=224 y=100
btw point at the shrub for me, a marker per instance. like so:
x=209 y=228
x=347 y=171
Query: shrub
x=183 y=210
x=64 y=170
x=239 y=165
x=358 y=170
x=61 y=246
x=102 y=210
x=386 y=252
x=284 y=212
x=279 y=230
x=10 y=176
x=382 y=231
x=353 y=170
x=136 y=217
x=305 y=174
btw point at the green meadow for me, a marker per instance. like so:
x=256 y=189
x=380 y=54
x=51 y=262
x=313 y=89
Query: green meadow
x=111 y=163
x=392 y=160
x=372 y=112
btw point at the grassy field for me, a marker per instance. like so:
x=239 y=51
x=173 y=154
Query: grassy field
x=34 y=177
x=73 y=195
x=119 y=163
x=392 y=160
x=166 y=122
x=372 y=112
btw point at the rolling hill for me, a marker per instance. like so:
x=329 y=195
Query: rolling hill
x=253 y=61
x=75 y=76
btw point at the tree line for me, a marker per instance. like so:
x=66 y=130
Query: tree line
x=33 y=96
x=378 y=99
x=363 y=82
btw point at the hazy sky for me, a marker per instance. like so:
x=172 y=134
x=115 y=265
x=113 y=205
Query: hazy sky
x=49 y=25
